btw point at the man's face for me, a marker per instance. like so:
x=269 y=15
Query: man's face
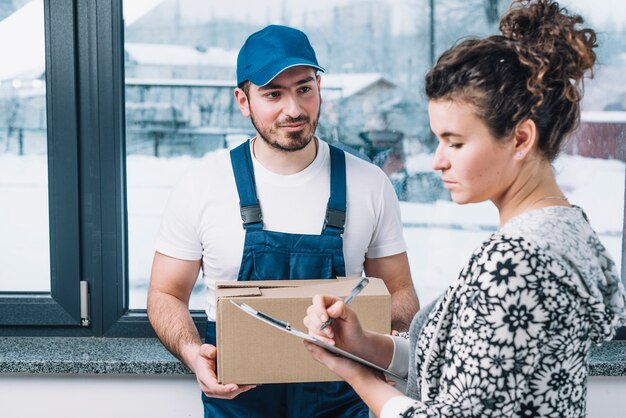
x=284 y=112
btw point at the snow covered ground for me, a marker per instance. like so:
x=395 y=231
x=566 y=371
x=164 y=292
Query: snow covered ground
x=440 y=236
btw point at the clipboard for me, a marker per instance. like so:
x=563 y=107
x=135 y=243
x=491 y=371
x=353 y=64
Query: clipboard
x=286 y=327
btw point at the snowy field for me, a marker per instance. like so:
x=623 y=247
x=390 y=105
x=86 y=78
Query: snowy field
x=440 y=236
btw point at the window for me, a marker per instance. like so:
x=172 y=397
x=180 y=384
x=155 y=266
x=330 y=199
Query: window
x=41 y=288
x=85 y=186
x=23 y=151
x=180 y=62
x=125 y=99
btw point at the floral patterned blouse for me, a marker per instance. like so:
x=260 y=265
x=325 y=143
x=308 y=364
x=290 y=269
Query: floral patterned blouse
x=511 y=335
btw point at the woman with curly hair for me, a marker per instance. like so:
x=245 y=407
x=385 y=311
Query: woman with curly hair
x=511 y=336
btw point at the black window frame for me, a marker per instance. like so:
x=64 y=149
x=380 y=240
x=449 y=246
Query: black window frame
x=87 y=182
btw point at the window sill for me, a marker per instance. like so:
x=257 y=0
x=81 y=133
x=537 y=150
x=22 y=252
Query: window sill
x=56 y=355
x=608 y=359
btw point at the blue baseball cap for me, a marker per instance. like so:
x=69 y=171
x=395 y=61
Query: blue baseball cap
x=272 y=50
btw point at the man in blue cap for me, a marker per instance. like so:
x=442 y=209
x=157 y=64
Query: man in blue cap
x=308 y=211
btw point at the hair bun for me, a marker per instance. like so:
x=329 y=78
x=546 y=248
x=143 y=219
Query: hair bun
x=548 y=41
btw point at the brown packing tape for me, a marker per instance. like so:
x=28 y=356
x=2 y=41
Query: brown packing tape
x=265 y=284
x=239 y=291
x=340 y=288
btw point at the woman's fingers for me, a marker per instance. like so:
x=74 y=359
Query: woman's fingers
x=323 y=356
x=339 y=365
x=323 y=308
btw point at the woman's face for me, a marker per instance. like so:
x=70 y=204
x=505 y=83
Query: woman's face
x=474 y=166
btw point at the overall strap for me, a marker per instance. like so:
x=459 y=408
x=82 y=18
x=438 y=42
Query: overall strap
x=336 y=210
x=241 y=161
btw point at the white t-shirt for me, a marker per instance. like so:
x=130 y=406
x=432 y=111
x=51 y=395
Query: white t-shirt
x=202 y=218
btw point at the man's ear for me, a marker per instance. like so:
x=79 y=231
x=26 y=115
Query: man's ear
x=319 y=85
x=242 y=101
x=525 y=138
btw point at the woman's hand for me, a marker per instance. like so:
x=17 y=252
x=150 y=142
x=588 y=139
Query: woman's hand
x=348 y=370
x=345 y=331
x=368 y=383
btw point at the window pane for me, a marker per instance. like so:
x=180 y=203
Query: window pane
x=180 y=69
x=590 y=171
x=24 y=240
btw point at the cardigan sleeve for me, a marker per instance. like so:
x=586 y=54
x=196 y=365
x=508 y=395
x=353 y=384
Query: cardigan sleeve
x=400 y=361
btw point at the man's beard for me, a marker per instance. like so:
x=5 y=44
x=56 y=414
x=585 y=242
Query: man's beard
x=297 y=140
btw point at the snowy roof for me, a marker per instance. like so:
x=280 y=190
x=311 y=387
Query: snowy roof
x=136 y=9
x=348 y=84
x=606 y=88
x=180 y=82
x=166 y=54
x=24 y=56
x=336 y=85
x=603 y=116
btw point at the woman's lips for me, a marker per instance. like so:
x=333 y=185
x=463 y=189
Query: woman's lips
x=447 y=183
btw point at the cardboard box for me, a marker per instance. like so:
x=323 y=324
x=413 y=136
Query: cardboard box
x=252 y=352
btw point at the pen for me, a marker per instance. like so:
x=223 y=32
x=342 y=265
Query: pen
x=252 y=311
x=353 y=293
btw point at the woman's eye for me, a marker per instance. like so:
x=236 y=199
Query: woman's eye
x=455 y=145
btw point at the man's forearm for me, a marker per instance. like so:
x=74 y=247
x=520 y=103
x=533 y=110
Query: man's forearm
x=173 y=325
x=404 y=306
x=396 y=273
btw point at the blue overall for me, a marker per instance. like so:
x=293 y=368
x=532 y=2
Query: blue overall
x=269 y=255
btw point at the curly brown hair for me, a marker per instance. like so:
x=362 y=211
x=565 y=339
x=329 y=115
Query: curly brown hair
x=534 y=70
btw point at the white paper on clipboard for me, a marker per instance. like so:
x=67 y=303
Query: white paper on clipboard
x=286 y=327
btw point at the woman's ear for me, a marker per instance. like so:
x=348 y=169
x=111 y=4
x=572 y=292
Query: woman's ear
x=524 y=139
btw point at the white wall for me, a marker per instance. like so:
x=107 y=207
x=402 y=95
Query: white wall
x=606 y=397
x=107 y=396
x=99 y=396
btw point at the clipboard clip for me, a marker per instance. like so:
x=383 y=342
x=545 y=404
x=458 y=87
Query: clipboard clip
x=251 y=310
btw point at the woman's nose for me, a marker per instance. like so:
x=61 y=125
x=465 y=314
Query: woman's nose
x=440 y=162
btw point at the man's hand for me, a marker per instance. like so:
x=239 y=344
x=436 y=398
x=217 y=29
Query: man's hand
x=205 y=366
x=168 y=310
